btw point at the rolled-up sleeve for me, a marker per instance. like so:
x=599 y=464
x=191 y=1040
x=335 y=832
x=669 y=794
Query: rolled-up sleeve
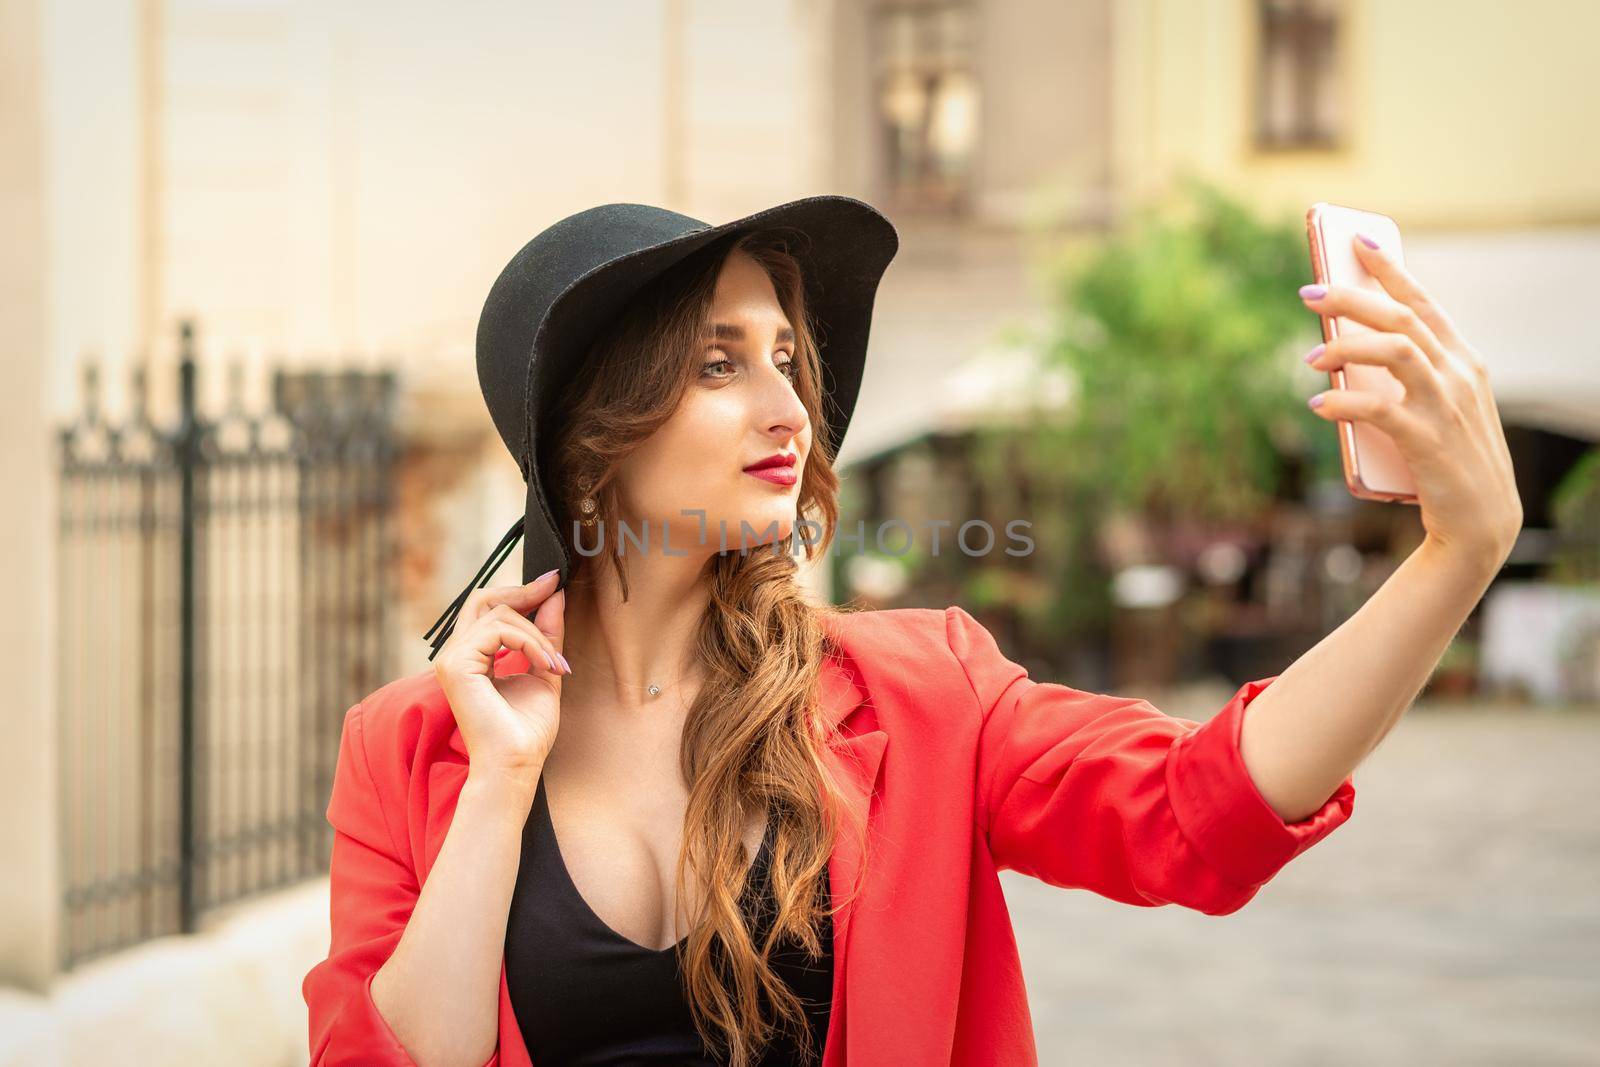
x=372 y=892
x=1105 y=793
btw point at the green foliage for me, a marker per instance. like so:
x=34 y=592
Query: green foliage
x=1182 y=335
x=1575 y=509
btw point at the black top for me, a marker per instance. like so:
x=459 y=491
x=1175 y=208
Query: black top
x=584 y=994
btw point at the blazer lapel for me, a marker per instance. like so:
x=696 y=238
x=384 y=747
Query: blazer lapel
x=854 y=753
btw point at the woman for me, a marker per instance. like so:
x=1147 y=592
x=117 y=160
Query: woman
x=780 y=825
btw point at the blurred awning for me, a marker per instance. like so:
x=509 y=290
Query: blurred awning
x=1527 y=301
x=997 y=383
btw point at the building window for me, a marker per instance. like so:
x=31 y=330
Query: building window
x=1299 y=86
x=926 y=95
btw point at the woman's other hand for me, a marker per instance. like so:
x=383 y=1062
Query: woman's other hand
x=1446 y=427
x=508 y=724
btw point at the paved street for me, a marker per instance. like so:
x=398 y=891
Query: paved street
x=1455 y=919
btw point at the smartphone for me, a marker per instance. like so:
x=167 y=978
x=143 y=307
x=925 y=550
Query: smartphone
x=1373 y=466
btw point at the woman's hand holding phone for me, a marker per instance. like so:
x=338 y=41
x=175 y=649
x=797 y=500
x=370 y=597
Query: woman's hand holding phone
x=1446 y=425
x=509 y=724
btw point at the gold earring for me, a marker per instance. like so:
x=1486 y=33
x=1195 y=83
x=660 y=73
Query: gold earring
x=588 y=506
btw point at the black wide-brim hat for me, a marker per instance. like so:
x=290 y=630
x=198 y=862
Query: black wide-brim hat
x=557 y=293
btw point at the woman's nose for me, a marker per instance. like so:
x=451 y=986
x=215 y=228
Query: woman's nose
x=786 y=415
x=789 y=419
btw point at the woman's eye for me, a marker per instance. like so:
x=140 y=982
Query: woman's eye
x=715 y=369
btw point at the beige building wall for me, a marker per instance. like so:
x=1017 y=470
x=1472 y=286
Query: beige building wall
x=1047 y=117
x=1468 y=115
x=28 y=899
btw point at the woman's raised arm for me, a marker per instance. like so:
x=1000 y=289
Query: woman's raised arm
x=1332 y=706
x=1109 y=794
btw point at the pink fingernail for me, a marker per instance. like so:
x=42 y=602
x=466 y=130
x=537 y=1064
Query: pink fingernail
x=1317 y=400
x=1313 y=292
x=1312 y=355
x=564 y=662
x=551 y=660
x=545 y=575
x=1369 y=242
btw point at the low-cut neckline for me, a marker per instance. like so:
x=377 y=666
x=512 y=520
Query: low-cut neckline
x=542 y=804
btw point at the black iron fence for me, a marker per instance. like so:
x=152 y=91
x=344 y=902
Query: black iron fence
x=223 y=586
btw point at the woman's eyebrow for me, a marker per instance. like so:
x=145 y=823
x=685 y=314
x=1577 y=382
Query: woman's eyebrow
x=727 y=331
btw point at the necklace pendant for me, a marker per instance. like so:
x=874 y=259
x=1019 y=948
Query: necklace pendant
x=654 y=690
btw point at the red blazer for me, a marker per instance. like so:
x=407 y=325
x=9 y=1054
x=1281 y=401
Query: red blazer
x=965 y=766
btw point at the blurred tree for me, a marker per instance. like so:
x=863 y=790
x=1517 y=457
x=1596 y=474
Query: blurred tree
x=1575 y=507
x=1182 y=335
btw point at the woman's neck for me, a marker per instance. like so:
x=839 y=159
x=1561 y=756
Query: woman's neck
x=617 y=648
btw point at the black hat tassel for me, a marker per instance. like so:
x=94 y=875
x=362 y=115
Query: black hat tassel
x=485 y=572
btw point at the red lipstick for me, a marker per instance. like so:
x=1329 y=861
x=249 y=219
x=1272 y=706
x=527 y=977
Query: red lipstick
x=777 y=468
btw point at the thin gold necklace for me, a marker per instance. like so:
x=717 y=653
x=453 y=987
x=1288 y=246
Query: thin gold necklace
x=651 y=688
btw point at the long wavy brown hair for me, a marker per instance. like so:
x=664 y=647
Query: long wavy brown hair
x=753 y=735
